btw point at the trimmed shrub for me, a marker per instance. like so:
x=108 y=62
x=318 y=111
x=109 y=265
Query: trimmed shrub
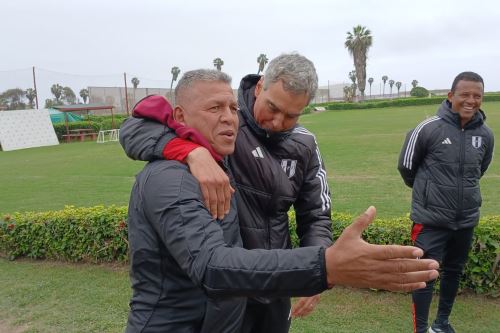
x=96 y=123
x=482 y=271
x=419 y=92
x=95 y=234
x=396 y=102
x=99 y=234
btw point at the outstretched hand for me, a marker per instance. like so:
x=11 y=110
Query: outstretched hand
x=214 y=182
x=353 y=262
x=305 y=306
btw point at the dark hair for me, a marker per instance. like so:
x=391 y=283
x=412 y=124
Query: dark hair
x=466 y=76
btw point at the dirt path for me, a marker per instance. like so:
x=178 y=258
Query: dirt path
x=5 y=328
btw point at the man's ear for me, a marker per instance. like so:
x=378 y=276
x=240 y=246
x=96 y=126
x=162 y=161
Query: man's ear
x=179 y=115
x=259 y=86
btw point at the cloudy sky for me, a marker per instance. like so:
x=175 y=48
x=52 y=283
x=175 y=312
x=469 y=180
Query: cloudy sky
x=94 y=40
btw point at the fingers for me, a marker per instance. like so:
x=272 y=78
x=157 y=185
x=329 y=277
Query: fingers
x=304 y=306
x=382 y=252
x=407 y=281
x=361 y=223
x=214 y=182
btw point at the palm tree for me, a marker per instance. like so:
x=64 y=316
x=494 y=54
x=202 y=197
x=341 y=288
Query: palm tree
x=69 y=95
x=135 y=82
x=84 y=94
x=384 y=79
x=57 y=91
x=352 y=77
x=262 y=61
x=398 y=85
x=414 y=83
x=370 y=81
x=31 y=95
x=357 y=43
x=391 y=83
x=175 y=73
x=218 y=62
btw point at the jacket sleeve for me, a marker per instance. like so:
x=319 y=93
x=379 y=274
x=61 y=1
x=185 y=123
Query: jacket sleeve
x=313 y=204
x=196 y=242
x=143 y=139
x=489 y=154
x=412 y=154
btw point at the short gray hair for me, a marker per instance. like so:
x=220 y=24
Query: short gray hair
x=207 y=75
x=295 y=71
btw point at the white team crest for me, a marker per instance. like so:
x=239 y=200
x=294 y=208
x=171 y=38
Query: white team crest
x=477 y=141
x=289 y=167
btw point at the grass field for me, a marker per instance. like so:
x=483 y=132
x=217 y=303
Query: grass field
x=46 y=297
x=360 y=149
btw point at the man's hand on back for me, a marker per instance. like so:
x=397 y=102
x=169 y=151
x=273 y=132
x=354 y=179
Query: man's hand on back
x=214 y=182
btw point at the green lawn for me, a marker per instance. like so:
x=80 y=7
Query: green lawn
x=64 y=298
x=360 y=149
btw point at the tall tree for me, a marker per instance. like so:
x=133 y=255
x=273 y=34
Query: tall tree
x=370 y=81
x=414 y=83
x=69 y=95
x=384 y=79
x=31 y=95
x=262 y=61
x=84 y=94
x=218 y=63
x=13 y=99
x=57 y=91
x=135 y=82
x=352 y=77
x=391 y=83
x=357 y=43
x=175 y=71
x=398 y=85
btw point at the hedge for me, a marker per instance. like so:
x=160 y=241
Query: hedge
x=99 y=234
x=96 y=123
x=396 y=102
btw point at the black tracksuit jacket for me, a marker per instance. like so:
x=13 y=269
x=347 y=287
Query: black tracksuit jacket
x=443 y=163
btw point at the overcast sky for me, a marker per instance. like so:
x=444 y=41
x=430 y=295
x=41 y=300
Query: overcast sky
x=430 y=41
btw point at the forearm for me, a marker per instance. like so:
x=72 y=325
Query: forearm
x=143 y=139
x=270 y=273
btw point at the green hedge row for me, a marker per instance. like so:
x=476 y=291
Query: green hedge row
x=396 y=102
x=99 y=234
x=97 y=123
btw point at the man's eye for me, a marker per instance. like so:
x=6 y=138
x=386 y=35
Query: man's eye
x=215 y=108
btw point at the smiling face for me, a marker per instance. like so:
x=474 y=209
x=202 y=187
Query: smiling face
x=211 y=108
x=466 y=99
x=276 y=109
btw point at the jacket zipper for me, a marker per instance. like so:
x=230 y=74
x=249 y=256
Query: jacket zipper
x=461 y=174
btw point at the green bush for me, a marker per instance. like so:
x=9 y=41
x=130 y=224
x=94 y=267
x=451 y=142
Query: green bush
x=96 y=234
x=396 y=102
x=482 y=271
x=97 y=123
x=419 y=92
x=99 y=234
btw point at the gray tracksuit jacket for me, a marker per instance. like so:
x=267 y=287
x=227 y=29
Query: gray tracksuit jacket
x=443 y=164
x=189 y=272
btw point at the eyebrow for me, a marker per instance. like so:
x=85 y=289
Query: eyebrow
x=289 y=114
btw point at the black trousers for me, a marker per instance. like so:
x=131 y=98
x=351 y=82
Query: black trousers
x=267 y=318
x=450 y=248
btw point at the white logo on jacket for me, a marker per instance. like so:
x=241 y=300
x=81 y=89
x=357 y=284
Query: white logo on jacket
x=477 y=141
x=446 y=141
x=289 y=167
x=257 y=153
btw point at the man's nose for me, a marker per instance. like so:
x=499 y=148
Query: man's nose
x=277 y=122
x=227 y=114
